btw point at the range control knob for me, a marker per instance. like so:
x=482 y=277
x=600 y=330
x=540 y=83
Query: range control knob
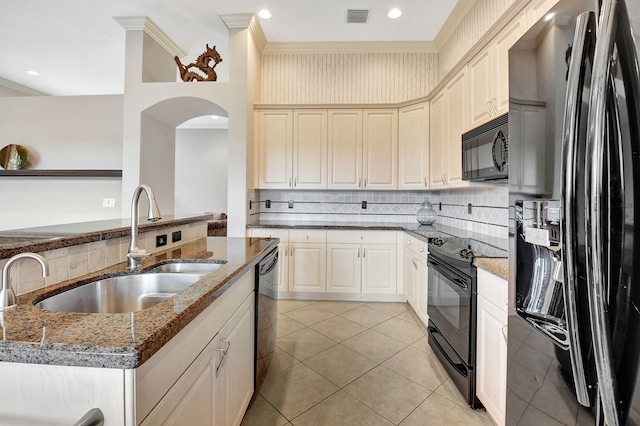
x=438 y=242
x=466 y=254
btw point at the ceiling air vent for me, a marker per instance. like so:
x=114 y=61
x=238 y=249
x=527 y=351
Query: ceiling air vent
x=357 y=16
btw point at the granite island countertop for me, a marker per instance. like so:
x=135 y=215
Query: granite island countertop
x=126 y=340
x=51 y=237
x=497 y=264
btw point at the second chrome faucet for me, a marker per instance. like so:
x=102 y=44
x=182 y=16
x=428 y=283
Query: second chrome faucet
x=135 y=253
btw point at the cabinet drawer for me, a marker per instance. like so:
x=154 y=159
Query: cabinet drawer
x=283 y=234
x=307 y=236
x=493 y=288
x=361 y=237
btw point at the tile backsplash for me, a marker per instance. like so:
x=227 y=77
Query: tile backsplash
x=489 y=207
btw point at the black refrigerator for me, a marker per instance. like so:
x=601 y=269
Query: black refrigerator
x=574 y=159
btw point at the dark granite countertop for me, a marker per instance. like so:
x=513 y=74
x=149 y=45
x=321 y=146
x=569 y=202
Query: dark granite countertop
x=43 y=238
x=497 y=246
x=32 y=335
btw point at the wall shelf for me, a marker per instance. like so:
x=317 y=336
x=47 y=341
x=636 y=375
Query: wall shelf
x=111 y=173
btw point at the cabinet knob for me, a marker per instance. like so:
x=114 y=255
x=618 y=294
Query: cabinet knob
x=421 y=250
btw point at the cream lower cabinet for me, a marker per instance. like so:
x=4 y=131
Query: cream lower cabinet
x=361 y=262
x=217 y=386
x=415 y=275
x=233 y=370
x=307 y=261
x=491 y=385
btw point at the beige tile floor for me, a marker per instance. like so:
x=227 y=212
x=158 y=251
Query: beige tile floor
x=351 y=363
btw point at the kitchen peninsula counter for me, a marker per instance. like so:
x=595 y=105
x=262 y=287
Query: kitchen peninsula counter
x=123 y=340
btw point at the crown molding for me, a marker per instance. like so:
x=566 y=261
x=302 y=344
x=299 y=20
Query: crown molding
x=17 y=87
x=351 y=47
x=237 y=20
x=258 y=35
x=144 y=23
x=453 y=21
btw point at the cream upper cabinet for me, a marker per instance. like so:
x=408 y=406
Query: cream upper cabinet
x=489 y=75
x=413 y=147
x=481 y=94
x=380 y=149
x=448 y=121
x=437 y=136
x=275 y=146
x=345 y=149
x=310 y=149
x=363 y=149
x=501 y=45
x=291 y=149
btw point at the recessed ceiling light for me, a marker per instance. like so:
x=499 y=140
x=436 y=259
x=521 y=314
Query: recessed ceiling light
x=548 y=17
x=394 y=13
x=32 y=72
x=264 y=14
x=214 y=117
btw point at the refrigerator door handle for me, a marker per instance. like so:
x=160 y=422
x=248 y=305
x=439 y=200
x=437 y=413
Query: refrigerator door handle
x=596 y=279
x=582 y=48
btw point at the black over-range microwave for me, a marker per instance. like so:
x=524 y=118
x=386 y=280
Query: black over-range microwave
x=485 y=151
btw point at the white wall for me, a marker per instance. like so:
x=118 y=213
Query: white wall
x=201 y=171
x=74 y=132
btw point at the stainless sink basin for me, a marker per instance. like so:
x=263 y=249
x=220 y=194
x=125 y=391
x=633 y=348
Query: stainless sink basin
x=120 y=294
x=188 y=267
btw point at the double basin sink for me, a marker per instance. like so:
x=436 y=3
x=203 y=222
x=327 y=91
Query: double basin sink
x=129 y=293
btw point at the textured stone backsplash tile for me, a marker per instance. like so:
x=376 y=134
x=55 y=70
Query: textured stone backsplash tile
x=489 y=212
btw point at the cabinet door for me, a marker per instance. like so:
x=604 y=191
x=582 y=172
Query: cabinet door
x=507 y=38
x=456 y=124
x=310 y=149
x=307 y=267
x=192 y=399
x=437 y=141
x=410 y=275
x=492 y=359
x=343 y=268
x=235 y=366
x=378 y=269
x=481 y=84
x=283 y=268
x=422 y=290
x=345 y=149
x=380 y=149
x=413 y=147
x=275 y=146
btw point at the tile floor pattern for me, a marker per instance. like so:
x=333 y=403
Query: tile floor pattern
x=352 y=363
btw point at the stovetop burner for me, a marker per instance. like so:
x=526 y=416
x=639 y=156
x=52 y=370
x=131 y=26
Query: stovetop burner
x=463 y=249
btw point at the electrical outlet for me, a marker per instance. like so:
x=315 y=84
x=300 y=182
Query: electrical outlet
x=469 y=208
x=267 y=204
x=176 y=236
x=290 y=204
x=161 y=240
x=364 y=205
x=108 y=202
x=440 y=206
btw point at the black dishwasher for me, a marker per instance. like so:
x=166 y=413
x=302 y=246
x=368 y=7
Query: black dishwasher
x=266 y=315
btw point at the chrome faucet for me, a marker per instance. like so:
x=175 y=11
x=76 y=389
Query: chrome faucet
x=7 y=296
x=135 y=253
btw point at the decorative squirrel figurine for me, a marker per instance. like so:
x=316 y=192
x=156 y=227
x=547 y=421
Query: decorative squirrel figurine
x=202 y=63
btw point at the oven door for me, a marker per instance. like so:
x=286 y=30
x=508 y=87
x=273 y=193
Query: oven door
x=450 y=304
